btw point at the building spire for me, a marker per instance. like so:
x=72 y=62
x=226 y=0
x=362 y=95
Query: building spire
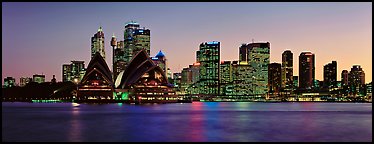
x=100 y=29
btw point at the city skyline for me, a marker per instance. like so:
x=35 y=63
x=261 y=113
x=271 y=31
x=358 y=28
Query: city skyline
x=66 y=29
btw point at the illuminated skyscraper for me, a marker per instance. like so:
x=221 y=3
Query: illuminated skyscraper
x=329 y=74
x=242 y=81
x=97 y=43
x=209 y=58
x=38 y=78
x=287 y=69
x=243 y=53
x=9 y=82
x=118 y=57
x=24 y=80
x=306 y=70
x=135 y=39
x=344 y=78
x=74 y=70
x=356 y=76
x=258 y=59
x=161 y=61
x=274 y=78
x=225 y=77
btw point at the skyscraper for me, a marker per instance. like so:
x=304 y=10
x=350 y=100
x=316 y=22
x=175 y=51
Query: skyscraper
x=24 y=80
x=97 y=43
x=287 y=69
x=74 y=70
x=356 y=80
x=209 y=57
x=161 y=61
x=9 y=82
x=274 y=79
x=243 y=53
x=135 y=39
x=306 y=70
x=38 y=78
x=329 y=74
x=344 y=78
x=356 y=76
x=258 y=59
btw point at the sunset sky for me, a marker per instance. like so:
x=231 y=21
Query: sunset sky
x=40 y=37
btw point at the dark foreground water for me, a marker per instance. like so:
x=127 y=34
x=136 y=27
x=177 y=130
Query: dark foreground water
x=197 y=121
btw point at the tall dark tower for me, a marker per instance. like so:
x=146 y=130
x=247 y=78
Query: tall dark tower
x=329 y=74
x=306 y=70
x=287 y=69
x=113 y=43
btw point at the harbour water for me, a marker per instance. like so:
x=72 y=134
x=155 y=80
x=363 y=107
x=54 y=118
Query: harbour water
x=187 y=122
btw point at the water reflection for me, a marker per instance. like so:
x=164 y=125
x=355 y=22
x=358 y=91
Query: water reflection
x=75 y=131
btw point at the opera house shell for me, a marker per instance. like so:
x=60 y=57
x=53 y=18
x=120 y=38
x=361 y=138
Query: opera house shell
x=97 y=83
x=143 y=81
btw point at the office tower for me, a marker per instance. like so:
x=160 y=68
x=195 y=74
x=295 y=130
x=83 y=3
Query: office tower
x=295 y=82
x=241 y=80
x=38 y=78
x=306 y=70
x=209 y=58
x=225 y=77
x=73 y=71
x=356 y=76
x=119 y=58
x=97 y=43
x=24 y=80
x=161 y=61
x=9 y=82
x=330 y=74
x=274 y=78
x=287 y=69
x=243 y=53
x=258 y=59
x=344 y=78
x=135 y=39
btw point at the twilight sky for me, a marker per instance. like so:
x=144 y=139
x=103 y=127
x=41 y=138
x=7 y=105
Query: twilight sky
x=39 y=37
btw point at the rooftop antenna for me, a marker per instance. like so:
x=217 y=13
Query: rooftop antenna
x=253 y=40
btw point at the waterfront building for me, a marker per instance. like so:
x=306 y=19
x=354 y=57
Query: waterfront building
x=295 y=82
x=143 y=81
x=242 y=81
x=24 y=80
x=306 y=70
x=258 y=59
x=287 y=70
x=330 y=75
x=177 y=78
x=38 y=78
x=118 y=57
x=356 y=80
x=73 y=71
x=274 y=78
x=226 y=78
x=161 y=61
x=135 y=39
x=97 y=82
x=344 y=77
x=209 y=59
x=243 y=53
x=97 y=43
x=9 y=82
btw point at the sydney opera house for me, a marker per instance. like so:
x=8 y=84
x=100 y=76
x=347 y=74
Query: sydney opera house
x=142 y=81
